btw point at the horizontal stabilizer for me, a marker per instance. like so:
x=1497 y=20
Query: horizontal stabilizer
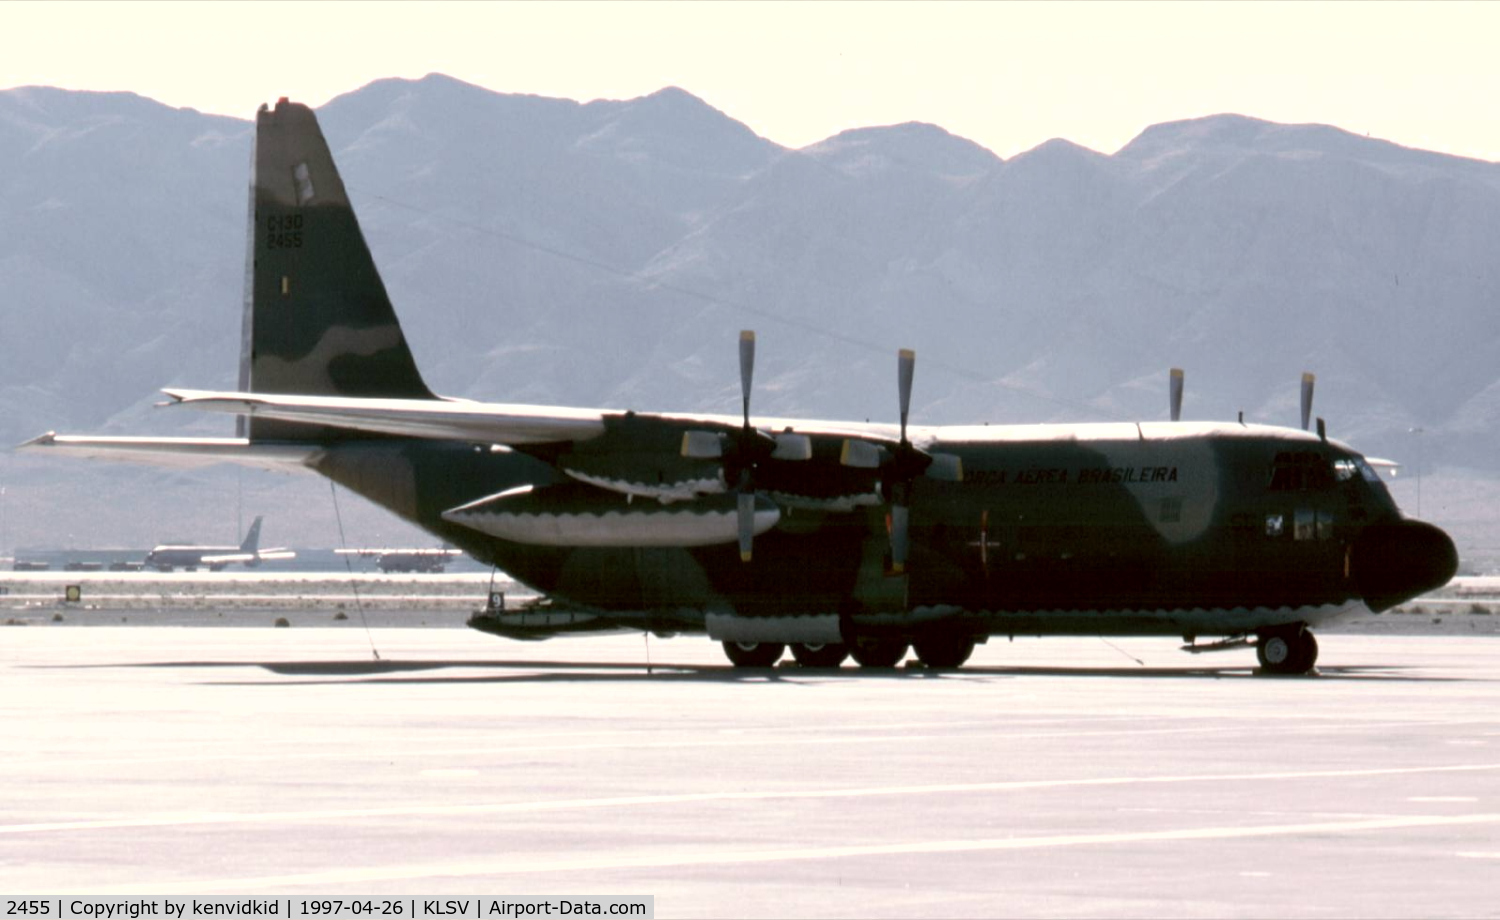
x=176 y=452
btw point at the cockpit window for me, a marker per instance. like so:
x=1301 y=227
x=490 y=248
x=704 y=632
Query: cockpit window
x=1368 y=471
x=1298 y=471
x=1344 y=469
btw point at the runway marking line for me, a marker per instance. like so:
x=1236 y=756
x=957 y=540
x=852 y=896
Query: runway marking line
x=741 y=738
x=685 y=859
x=271 y=817
x=625 y=745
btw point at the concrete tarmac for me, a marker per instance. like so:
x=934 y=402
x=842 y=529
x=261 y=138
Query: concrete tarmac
x=1054 y=777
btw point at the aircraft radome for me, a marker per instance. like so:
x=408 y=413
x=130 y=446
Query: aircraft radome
x=834 y=538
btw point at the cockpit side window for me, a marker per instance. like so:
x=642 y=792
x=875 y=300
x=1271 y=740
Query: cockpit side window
x=1300 y=471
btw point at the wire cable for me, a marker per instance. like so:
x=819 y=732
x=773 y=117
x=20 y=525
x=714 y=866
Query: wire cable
x=349 y=566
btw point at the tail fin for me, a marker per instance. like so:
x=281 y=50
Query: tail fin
x=252 y=539
x=318 y=321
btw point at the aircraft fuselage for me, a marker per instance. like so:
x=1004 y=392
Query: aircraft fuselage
x=1169 y=528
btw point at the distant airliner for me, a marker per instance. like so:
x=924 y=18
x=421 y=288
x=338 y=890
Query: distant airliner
x=836 y=538
x=166 y=557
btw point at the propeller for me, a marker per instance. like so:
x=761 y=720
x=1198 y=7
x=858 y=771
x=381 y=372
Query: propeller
x=745 y=449
x=1307 y=397
x=1175 y=387
x=901 y=465
x=907 y=464
x=750 y=448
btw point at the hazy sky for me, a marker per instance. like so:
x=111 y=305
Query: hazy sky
x=1007 y=75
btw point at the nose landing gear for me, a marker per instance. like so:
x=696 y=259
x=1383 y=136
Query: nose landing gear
x=1286 y=649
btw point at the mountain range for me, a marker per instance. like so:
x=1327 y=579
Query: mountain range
x=606 y=254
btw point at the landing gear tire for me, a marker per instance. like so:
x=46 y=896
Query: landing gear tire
x=879 y=653
x=944 y=651
x=820 y=654
x=754 y=654
x=1287 y=651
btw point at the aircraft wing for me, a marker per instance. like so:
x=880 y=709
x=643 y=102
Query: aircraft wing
x=176 y=452
x=226 y=558
x=496 y=423
x=461 y=420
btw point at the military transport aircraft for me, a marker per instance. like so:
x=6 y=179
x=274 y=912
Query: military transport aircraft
x=835 y=538
x=168 y=556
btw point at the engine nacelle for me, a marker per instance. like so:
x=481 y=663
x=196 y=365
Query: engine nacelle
x=581 y=515
x=660 y=475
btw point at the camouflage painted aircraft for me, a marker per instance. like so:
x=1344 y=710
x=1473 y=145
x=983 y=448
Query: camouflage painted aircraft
x=834 y=538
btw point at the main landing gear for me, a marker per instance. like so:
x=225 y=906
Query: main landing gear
x=808 y=654
x=944 y=650
x=1286 y=649
x=754 y=654
x=938 y=650
x=820 y=654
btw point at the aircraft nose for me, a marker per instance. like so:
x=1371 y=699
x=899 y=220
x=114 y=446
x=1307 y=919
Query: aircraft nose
x=1395 y=562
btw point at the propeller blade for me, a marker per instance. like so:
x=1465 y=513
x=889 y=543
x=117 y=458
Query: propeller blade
x=906 y=365
x=747 y=369
x=1176 y=391
x=746 y=509
x=900 y=516
x=1307 y=395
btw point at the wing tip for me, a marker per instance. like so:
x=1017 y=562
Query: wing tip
x=42 y=440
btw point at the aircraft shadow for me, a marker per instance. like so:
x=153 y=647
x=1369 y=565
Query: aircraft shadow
x=433 y=671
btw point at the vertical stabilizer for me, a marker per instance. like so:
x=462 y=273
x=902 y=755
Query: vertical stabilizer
x=318 y=320
x=252 y=539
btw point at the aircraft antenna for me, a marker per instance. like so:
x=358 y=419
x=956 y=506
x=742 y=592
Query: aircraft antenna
x=349 y=566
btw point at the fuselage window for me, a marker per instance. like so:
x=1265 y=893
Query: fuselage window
x=1273 y=525
x=1305 y=528
x=1171 y=510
